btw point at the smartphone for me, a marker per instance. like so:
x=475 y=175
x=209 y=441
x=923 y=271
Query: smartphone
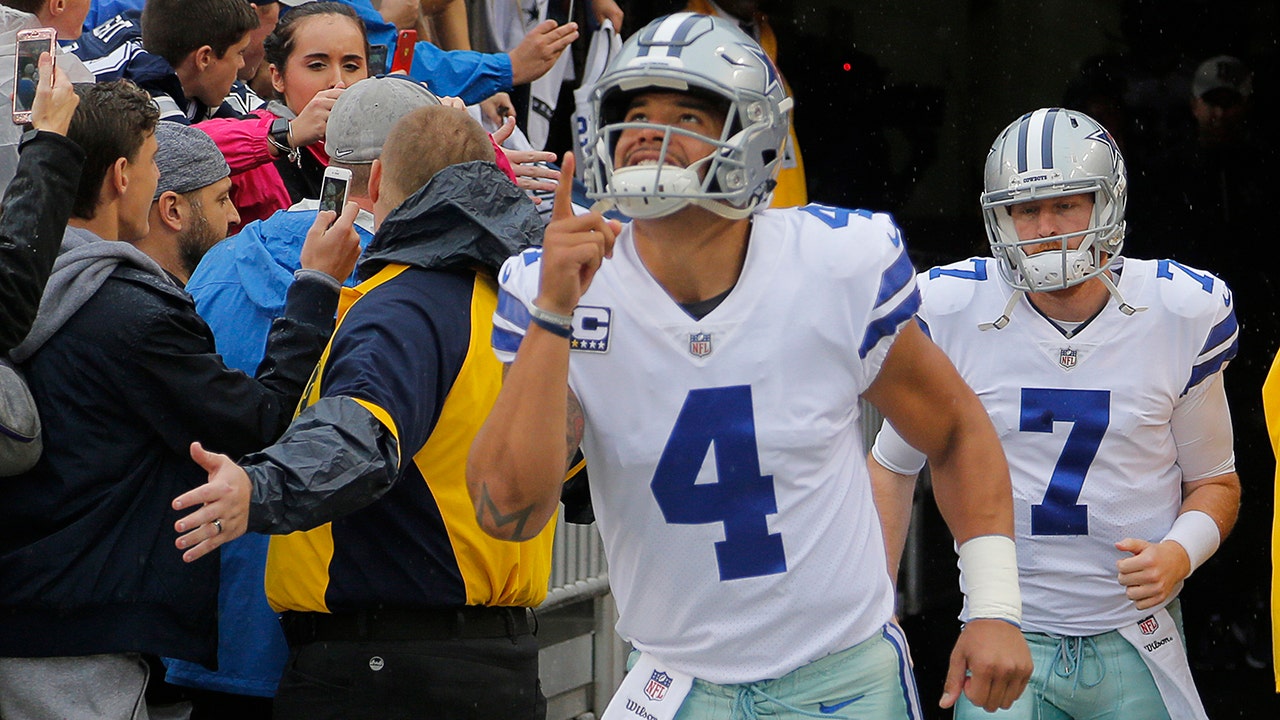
x=333 y=189
x=377 y=59
x=26 y=69
x=405 y=44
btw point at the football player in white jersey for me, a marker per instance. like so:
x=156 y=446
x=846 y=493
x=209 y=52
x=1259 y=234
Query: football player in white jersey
x=1103 y=377
x=714 y=354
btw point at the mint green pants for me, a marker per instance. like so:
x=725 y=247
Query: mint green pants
x=1098 y=677
x=869 y=681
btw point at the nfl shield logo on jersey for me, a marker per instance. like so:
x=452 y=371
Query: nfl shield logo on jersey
x=700 y=344
x=659 y=683
x=1067 y=358
x=1148 y=625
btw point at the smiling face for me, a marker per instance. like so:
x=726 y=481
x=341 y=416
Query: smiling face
x=640 y=146
x=327 y=49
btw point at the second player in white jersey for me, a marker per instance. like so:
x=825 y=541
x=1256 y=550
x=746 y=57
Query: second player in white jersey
x=752 y=493
x=1091 y=427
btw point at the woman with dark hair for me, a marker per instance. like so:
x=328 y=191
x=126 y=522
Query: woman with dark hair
x=276 y=153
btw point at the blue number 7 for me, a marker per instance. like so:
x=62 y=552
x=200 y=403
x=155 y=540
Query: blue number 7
x=1090 y=411
x=740 y=498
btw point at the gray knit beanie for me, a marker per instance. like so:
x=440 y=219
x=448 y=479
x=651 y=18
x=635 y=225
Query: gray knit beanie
x=188 y=159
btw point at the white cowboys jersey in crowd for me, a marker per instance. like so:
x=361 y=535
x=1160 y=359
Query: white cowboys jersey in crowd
x=726 y=461
x=1085 y=426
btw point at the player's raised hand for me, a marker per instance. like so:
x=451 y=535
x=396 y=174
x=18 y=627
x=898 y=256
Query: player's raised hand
x=990 y=664
x=222 y=514
x=1152 y=571
x=573 y=248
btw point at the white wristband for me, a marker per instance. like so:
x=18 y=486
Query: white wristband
x=989 y=579
x=1198 y=534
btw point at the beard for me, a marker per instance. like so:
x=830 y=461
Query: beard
x=195 y=241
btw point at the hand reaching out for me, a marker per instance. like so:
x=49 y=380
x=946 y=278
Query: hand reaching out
x=530 y=166
x=540 y=49
x=223 y=512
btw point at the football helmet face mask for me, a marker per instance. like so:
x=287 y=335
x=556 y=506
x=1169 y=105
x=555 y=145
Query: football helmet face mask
x=704 y=56
x=1051 y=153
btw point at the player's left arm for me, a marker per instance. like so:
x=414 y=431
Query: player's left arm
x=920 y=392
x=1201 y=426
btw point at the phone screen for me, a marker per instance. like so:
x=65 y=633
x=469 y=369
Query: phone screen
x=377 y=59
x=28 y=72
x=333 y=194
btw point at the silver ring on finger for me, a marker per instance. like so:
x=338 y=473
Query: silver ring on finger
x=218 y=524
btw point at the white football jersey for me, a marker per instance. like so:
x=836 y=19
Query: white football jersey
x=725 y=454
x=1085 y=420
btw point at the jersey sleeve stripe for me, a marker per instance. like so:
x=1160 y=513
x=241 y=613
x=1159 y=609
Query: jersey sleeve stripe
x=1222 y=332
x=505 y=342
x=890 y=323
x=897 y=276
x=1211 y=366
x=512 y=309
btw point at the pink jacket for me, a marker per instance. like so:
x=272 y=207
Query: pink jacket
x=257 y=189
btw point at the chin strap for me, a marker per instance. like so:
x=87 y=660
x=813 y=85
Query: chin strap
x=724 y=210
x=1125 y=307
x=1003 y=320
x=1004 y=316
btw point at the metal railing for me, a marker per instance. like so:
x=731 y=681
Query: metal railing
x=578 y=567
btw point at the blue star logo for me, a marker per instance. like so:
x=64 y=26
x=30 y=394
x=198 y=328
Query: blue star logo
x=1105 y=138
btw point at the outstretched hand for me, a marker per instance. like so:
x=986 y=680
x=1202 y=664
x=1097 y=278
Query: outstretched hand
x=538 y=52
x=223 y=512
x=529 y=166
x=573 y=248
x=990 y=664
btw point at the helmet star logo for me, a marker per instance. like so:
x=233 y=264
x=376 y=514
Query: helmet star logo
x=1105 y=138
x=772 y=79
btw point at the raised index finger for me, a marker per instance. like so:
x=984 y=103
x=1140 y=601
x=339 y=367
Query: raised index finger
x=563 y=207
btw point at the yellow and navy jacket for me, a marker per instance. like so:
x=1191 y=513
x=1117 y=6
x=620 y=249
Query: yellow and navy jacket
x=372 y=472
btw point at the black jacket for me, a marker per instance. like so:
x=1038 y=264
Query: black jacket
x=124 y=385
x=36 y=207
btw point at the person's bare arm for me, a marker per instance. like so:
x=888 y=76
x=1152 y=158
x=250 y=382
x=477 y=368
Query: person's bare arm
x=518 y=460
x=924 y=397
x=894 y=494
x=1153 y=570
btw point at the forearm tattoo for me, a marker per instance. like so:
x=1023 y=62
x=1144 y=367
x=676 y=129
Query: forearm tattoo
x=515 y=524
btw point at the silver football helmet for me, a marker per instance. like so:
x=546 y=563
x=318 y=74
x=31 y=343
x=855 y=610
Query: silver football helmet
x=1045 y=154
x=701 y=55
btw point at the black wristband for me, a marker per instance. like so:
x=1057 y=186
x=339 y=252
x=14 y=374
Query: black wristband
x=554 y=329
x=278 y=136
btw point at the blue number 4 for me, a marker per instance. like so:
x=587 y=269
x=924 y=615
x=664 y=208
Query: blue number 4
x=741 y=498
x=1090 y=413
